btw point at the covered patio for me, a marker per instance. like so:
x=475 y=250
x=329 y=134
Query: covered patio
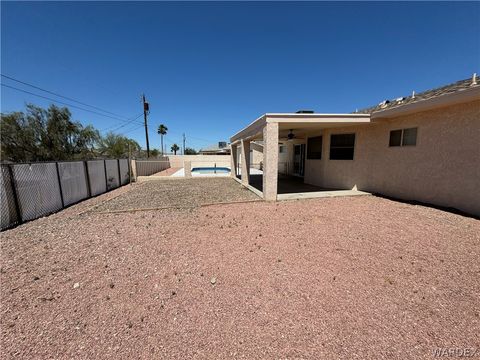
x=281 y=140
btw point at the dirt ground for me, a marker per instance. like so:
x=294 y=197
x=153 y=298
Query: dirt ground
x=332 y=278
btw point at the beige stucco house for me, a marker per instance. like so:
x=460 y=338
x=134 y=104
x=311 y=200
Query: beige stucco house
x=424 y=147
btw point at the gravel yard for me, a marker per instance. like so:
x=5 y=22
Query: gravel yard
x=179 y=193
x=358 y=277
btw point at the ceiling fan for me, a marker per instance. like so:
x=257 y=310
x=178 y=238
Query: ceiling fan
x=290 y=135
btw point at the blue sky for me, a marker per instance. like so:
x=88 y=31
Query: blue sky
x=209 y=69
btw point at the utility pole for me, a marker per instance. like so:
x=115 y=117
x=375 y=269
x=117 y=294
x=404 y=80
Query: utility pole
x=183 y=143
x=145 y=112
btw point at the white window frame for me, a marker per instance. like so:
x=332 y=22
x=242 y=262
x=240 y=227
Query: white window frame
x=401 y=137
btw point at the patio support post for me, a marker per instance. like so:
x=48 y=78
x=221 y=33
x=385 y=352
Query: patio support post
x=233 y=161
x=270 y=161
x=245 y=162
x=290 y=157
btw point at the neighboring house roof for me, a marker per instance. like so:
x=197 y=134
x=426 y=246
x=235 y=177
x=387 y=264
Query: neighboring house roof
x=215 y=148
x=455 y=87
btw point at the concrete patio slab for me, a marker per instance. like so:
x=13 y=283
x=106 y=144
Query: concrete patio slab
x=321 y=194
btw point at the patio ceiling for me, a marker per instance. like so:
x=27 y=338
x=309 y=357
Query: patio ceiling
x=302 y=129
x=298 y=122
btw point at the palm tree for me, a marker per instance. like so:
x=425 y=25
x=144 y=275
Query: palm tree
x=175 y=148
x=162 y=130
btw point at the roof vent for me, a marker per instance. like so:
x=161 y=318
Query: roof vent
x=413 y=94
x=400 y=99
x=384 y=103
x=474 y=79
x=305 y=112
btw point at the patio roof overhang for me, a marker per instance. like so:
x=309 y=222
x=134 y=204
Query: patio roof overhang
x=298 y=122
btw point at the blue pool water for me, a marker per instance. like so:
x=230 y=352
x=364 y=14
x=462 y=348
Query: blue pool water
x=211 y=170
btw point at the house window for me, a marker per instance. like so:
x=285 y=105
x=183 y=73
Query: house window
x=403 y=137
x=395 y=138
x=341 y=146
x=314 y=148
x=281 y=149
x=409 y=137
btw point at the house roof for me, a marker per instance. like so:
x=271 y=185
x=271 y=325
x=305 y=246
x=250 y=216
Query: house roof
x=455 y=93
x=455 y=87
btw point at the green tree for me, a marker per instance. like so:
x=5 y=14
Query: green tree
x=116 y=146
x=154 y=152
x=175 y=148
x=190 y=151
x=162 y=130
x=19 y=142
x=45 y=134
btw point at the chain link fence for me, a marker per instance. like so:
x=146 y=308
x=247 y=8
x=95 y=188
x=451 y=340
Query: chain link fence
x=9 y=207
x=30 y=191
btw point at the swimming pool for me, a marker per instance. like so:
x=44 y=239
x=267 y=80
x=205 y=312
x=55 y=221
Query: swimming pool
x=211 y=170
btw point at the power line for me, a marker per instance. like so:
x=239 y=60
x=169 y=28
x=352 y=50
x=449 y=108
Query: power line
x=203 y=141
x=127 y=121
x=59 y=95
x=193 y=137
x=136 y=127
x=61 y=102
x=115 y=127
x=115 y=116
x=133 y=129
